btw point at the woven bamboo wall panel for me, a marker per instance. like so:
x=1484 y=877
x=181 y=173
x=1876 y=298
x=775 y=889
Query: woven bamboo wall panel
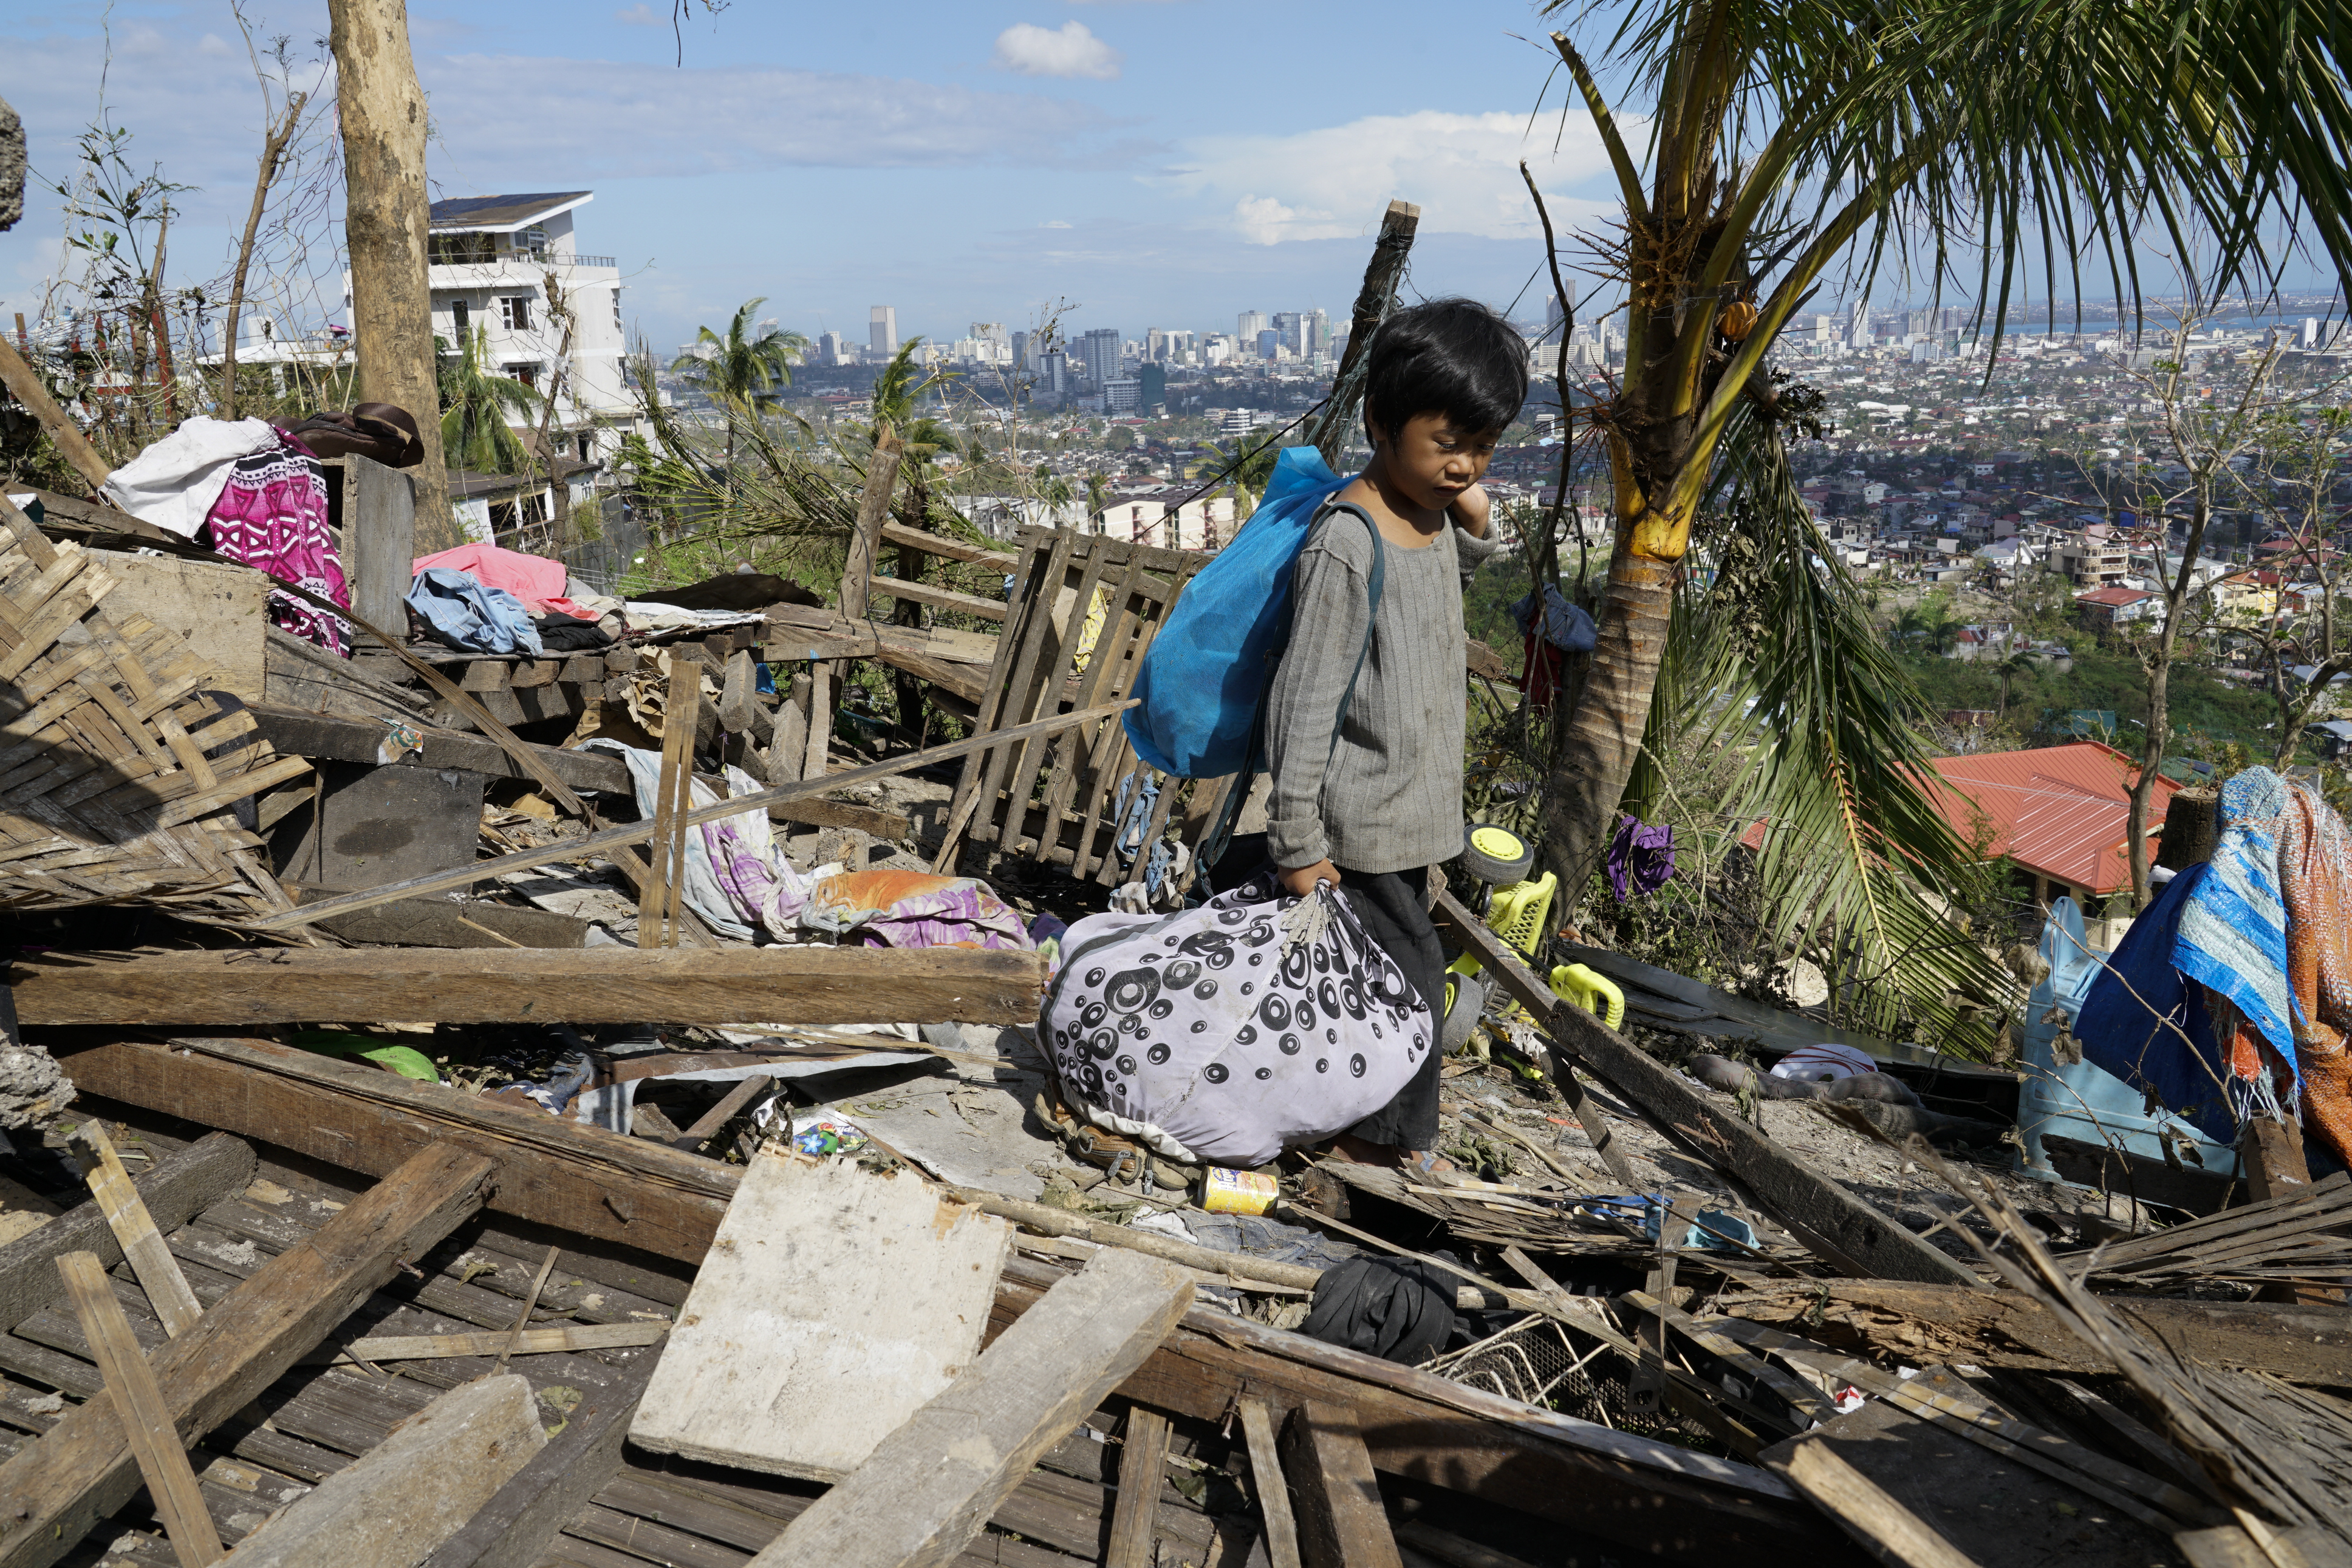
x=120 y=767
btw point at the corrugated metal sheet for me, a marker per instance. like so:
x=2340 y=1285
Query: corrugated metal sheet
x=2061 y=810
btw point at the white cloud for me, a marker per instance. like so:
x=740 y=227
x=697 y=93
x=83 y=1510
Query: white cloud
x=1334 y=182
x=509 y=123
x=1069 y=50
x=214 y=47
x=1054 y=224
x=641 y=15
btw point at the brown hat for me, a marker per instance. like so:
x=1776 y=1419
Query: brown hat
x=382 y=430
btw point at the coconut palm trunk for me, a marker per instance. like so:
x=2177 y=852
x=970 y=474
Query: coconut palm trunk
x=1789 y=140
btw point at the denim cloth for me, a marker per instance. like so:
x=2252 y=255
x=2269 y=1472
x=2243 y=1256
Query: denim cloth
x=471 y=616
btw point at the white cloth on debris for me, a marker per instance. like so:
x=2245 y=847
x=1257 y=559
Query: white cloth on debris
x=174 y=482
x=734 y=872
x=1824 y=1063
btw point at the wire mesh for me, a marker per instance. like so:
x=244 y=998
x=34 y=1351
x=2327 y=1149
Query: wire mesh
x=1544 y=1362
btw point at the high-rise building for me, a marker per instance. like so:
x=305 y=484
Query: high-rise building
x=1318 y=333
x=2310 y=339
x=1857 y=324
x=1053 y=372
x=1268 y=340
x=830 y=350
x=993 y=333
x=882 y=329
x=1152 y=387
x=1290 y=331
x=1020 y=350
x=1248 y=325
x=1098 y=351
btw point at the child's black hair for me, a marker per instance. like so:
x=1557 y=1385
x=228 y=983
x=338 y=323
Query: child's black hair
x=1454 y=357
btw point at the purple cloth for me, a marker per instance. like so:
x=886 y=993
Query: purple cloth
x=272 y=516
x=1641 y=857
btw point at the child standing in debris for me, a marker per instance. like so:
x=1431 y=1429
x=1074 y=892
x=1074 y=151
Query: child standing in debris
x=1371 y=808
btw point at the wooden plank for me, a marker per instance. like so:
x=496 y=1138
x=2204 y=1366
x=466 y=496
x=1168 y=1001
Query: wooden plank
x=969 y=682
x=1033 y=673
x=328 y=736
x=1143 y=1460
x=857 y=567
x=515 y=1525
x=611 y=838
x=933 y=1482
x=706 y=1126
x=175 y=1190
x=553 y=1171
x=1999 y=1328
x=138 y=1404
x=1884 y=1528
x=410 y=1493
x=940 y=598
x=1846 y=1232
x=1266 y=1483
x=437 y=923
x=947 y=547
x=835 y=1304
x=379 y=537
x=791 y=626
x=134 y=1230
x=52 y=1491
x=532 y=1341
x=1091 y=682
x=602 y=985
x=1341 y=1523
x=659 y=895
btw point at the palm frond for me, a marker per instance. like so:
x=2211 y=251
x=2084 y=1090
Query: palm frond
x=1778 y=662
x=2038 y=140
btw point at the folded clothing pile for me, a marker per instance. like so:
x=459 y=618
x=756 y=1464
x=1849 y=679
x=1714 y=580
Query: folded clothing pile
x=482 y=598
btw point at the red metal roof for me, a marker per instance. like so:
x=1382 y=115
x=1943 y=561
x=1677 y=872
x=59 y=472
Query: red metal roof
x=2059 y=811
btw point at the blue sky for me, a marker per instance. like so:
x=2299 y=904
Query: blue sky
x=1159 y=162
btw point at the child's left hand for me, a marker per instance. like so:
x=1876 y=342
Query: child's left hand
x=1470 y=509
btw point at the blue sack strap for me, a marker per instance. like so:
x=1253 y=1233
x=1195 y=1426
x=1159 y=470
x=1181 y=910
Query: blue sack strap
x=1214 y=848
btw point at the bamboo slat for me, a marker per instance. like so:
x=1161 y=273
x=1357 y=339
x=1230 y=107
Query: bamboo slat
x=121 y=764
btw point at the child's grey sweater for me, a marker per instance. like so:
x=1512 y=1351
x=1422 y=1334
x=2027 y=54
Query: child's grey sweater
x=1390 y=797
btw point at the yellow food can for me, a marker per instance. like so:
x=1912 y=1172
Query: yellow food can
x=1224 y=1191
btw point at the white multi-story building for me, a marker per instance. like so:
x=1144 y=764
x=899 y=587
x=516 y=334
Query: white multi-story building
x=882 y=329
x=548 y=314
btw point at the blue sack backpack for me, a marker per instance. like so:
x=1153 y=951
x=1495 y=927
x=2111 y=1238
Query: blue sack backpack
x=1205 y=679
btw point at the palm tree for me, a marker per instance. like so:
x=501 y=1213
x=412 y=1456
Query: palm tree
x=475 y=404
x=1097 y=497
x=898 y=388
x=1784 y=135
x=747 y=367
x=2019 y=665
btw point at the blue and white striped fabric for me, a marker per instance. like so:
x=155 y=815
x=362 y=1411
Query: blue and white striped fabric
x=2232 y=936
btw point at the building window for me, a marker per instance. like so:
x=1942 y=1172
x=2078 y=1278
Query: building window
x=460 y=316
x=514 y=312
x=617 y=310
x=460 y=250
x=527 y=372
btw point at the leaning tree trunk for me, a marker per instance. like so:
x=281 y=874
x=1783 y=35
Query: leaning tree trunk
x=1650 y=427
x=382 y=115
